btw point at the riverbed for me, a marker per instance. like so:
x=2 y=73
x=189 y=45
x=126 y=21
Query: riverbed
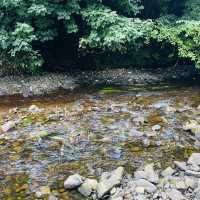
x=91 y=130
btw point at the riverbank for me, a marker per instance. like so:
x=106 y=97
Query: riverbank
x=50 y=82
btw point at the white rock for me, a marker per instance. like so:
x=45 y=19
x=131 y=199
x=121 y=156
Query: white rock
x=148 y=174
x=34 y=109
x=73 y=181
x=109 y=180
x=168 y=172
x=181 y=165
x=8 y=126
x=194 y=159
x=174 y=194
x=191 y=182
x=148 y=186
x=156 y=127
x=88 y=187
x=139 y=190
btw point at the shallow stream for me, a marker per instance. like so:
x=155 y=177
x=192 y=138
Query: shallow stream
x=92 y=130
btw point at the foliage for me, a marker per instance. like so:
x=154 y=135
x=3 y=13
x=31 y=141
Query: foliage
x=104 y=30
x=185 y=36
x=99 y=26
x=25 y=23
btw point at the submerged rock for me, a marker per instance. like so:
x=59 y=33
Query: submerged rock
x=109 y=180
x=8 y=126
x=73 y=181
x=34 y=109
x=43 y=191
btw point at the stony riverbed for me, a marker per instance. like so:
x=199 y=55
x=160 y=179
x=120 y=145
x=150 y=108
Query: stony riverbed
x=90 y=131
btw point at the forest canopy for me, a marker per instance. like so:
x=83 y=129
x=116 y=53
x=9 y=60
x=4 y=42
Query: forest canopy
x=34 y=31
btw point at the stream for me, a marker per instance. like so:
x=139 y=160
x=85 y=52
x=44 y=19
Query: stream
x=92 y=130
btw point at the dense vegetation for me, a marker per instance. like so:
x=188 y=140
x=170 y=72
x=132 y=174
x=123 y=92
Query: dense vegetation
x=38 y=32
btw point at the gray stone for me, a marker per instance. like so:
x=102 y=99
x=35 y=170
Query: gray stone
x=194 y=159
x=73 y=181
x=156 y=127
x=148 y=186
x=88 y=187
x=148 y=174
x=109 y=180
x=192 y=173
x=174 y=194
x=191 y=182
x=168 y=172
x=181 y=165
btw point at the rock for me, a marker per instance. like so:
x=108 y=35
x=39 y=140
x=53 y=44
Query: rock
x=139 y=190
x=192 y=173
x=156 y=127
x=43 y=191
x=194 y=167
x=88 y=187
x=168 y=172
x=52 y=197
x=191 y=124
x=34 y=109
x=191 y=182
x=181 y=165
x=169 y=109
x=148 y=186
x=194 y=159
x=180 y=184
x=73 y=181
x=109 y=180
x=116 y=198
x=8 y=126
x=174 y=194
x=148 y=174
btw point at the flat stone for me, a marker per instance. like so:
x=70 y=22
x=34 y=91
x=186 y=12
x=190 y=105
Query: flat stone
x=191 y=182
x=139 y=190
x=73 y=181
x=148 y=174
x=174 y=194
x=168 y=172
x=88 y=187
x=148 y=186
x=194 y=159
x=109 y=180
x=181 y=165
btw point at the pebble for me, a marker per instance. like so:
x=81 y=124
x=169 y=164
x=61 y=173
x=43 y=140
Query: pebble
x=73 y=181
